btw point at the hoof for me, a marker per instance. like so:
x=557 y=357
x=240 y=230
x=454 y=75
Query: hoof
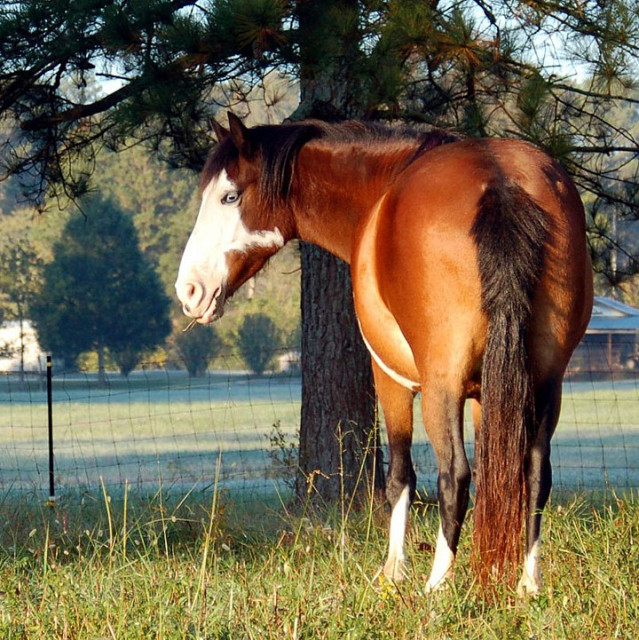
x=438 y=585
x=395 y=570
x=528 y=586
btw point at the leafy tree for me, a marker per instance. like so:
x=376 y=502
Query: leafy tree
x=99 y=292
x=477 y=65
x=197 y=347
x=257 y=340
x=160 y=200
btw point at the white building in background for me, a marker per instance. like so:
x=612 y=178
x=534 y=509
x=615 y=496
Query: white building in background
x=34 y=357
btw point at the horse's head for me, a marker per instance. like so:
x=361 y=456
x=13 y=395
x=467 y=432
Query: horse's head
x=234 y=234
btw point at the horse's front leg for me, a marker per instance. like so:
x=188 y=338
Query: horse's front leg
x=397 y=405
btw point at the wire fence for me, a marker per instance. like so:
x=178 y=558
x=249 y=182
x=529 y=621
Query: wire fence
x=158 y=429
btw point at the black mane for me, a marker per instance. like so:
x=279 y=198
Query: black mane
x=279 y=145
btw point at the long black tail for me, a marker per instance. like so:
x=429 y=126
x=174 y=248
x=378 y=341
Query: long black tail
x=510 y=232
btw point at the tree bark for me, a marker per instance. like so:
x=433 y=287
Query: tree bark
x=340 y=455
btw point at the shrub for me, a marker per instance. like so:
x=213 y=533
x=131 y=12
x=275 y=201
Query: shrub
x=257 y=339
x=197 y=347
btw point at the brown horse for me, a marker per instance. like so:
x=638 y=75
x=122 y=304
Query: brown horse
x=471 y=280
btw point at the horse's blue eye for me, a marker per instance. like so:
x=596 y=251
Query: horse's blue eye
x=230 y=197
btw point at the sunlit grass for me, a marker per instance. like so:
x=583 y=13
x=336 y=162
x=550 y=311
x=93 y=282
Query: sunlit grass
x=207 y=566
x=189 y=569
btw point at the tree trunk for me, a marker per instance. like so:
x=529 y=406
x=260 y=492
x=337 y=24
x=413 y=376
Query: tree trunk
x=339 y=441
x=101 y=368
x=340 y=454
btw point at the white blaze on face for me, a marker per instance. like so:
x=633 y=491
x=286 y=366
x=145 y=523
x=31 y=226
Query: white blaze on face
x=219 y=230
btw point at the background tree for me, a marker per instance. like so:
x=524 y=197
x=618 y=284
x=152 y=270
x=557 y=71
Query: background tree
x=161 y=201
x=99 y=293
x=197 y=347
x=339 y=436
x=257 y=341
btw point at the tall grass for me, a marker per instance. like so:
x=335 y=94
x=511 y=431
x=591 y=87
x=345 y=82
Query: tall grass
x=116 y=565
x=194 y=568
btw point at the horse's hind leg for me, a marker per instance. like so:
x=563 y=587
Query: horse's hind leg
x=539 y=481
x=397 y=404
x=443 y=419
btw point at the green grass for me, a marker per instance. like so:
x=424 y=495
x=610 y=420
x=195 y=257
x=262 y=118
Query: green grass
x=165 y=567
x=190 y=570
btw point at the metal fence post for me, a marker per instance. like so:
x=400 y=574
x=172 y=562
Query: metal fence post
x=50 y=417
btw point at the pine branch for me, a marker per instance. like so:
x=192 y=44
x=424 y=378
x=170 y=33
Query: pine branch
x=80 y=111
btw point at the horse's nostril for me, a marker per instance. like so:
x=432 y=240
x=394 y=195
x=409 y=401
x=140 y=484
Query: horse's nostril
x=192 y=293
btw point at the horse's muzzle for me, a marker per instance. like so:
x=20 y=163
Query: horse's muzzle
x=197 y=303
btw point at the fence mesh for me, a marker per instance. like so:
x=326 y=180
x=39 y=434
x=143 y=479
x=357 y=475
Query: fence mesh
x=160 y=429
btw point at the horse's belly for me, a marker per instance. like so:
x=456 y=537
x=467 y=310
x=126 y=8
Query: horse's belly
x=382 y=335
x=391 y=353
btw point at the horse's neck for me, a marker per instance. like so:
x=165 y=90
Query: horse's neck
x=335 y=186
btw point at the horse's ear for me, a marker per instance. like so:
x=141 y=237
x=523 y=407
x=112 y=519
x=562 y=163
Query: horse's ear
x=220 y=132
x=240 y=135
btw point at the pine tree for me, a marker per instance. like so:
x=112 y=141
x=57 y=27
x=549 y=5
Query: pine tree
x=99 y=292
x=484 y=67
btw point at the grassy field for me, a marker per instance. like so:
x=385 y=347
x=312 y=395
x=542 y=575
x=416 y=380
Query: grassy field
x=155 y=561
x=159 y=570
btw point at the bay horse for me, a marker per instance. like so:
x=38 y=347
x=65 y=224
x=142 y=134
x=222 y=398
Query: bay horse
x=471 y=279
